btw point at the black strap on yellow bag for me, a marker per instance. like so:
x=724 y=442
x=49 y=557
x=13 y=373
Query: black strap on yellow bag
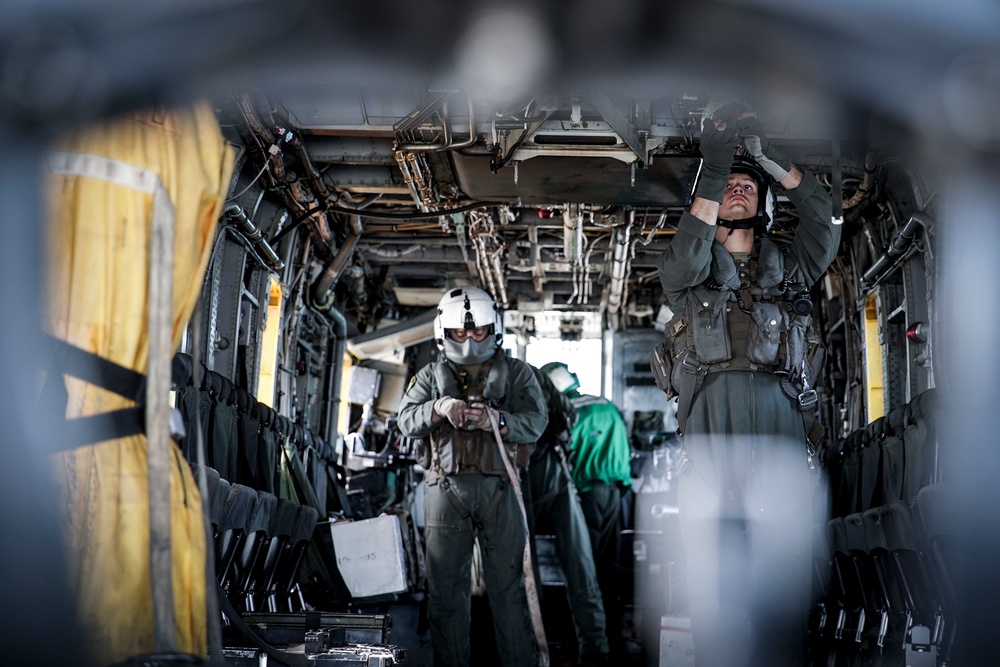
x=67 y=359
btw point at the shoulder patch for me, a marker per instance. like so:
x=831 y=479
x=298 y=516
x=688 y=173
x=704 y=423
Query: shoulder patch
x=409 y=385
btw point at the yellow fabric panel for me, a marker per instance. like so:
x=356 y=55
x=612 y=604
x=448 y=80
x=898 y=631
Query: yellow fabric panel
x=97 y=257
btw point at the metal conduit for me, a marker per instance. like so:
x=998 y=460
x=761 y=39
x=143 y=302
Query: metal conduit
x=573 y=233
x=447 y=143
x=314 y=176
x=404 y=168
x=337 y=369
x=332 y=272
x=497 y=269
x=401 y=252
x=481 y=263
x=618 y=264
x=421 y=183
x=588 y=284
x=537 y=272
x=573 y=246
x=898 y=246
x=253 y=235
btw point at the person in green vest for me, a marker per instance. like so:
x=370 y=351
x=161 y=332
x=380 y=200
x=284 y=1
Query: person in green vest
x=555 y=505
x=601 y=456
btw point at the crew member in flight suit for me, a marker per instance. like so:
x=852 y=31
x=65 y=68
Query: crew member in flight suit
x=602 y=473
x=554 y=502
x=453 y=403
x=737 y=356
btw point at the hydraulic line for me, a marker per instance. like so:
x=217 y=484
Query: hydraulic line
x=447 y=142
x=497 y=270
x=331 y=273
x=335 y=362
x=588 y=283
x=408 y=178
x=537 y=272
x=900 y=243
x=573 y=233
x=866 y=184
x=395 y=254
x=252 y=233
x=573 y=246
x=482 y=264
x=619 y=264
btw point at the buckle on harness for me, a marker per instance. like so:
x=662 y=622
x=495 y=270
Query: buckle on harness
x=690 y=363
x=808 y=399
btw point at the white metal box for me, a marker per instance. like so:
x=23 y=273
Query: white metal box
x=370 y=555
x=676 y=644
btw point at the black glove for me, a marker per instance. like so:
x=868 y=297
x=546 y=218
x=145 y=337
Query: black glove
x=767 y=156
x=717 y=149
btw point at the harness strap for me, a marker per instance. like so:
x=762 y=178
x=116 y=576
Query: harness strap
x=563 y=481
x=475 y=526
x=807 y=398
x=494 y=501
x=530 y=585
x=691 y=378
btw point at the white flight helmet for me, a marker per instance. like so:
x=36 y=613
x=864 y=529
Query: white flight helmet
x=468 y=308
x=561 y=377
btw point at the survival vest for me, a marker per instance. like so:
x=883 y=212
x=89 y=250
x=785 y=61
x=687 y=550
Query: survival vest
x=452 y=451
x=749 y=316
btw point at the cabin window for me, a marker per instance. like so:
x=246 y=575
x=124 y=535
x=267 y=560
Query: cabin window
x=874 y=379
x=583 y=357
x=269 y=345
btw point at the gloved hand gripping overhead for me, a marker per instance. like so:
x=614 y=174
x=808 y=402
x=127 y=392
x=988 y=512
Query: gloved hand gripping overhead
x=717 y=149
x=759 y=146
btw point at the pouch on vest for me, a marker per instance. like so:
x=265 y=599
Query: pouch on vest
x=707 y=308
x=764 y=336
x=663 y=358
x=662 y=366
x=421 y=448
x=794 y=347
x=461 y=452
x=443 y=458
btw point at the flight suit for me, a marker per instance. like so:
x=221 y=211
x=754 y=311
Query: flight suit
x=745 y=489
x=553 y=499
x=465 y=463
x=601 y=471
